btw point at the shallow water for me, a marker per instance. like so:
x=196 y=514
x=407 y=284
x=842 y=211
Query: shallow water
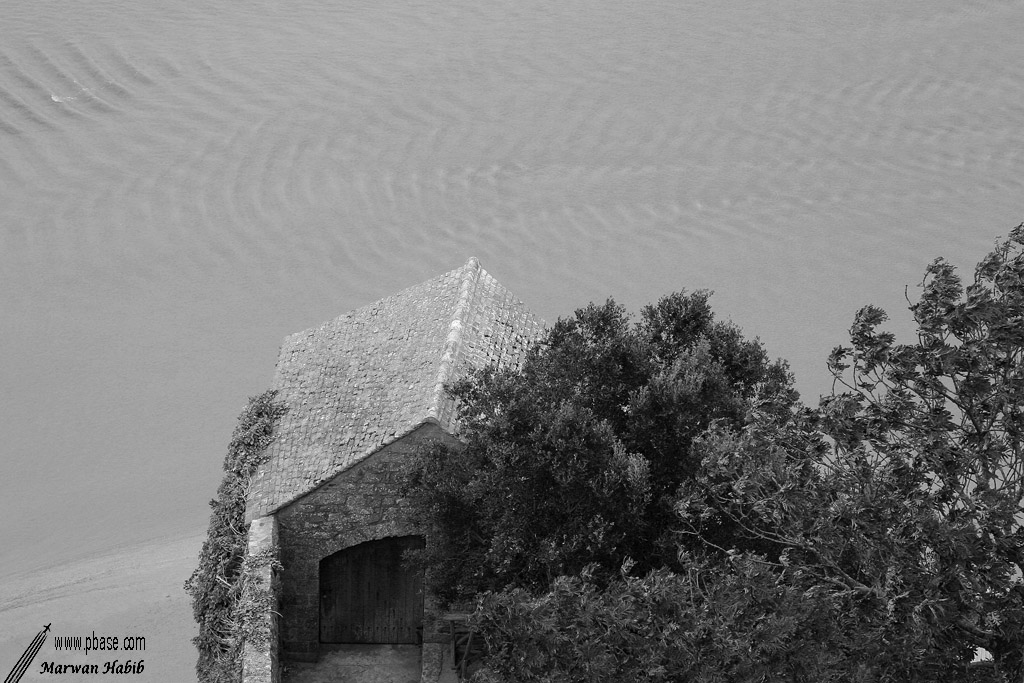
x=182 y=183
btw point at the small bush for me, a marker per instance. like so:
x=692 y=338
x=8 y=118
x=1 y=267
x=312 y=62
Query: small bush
x=217 y=584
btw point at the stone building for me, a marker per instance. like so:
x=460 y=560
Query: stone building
x=362 y=392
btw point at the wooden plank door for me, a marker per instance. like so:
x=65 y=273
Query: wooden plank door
x=367 y=597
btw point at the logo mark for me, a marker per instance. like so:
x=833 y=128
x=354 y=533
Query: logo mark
x=26 y=658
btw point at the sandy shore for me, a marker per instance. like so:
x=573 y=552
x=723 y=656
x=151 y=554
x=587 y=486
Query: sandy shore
x=133 y=591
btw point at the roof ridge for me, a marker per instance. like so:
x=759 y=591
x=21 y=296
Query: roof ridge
x=470 y=277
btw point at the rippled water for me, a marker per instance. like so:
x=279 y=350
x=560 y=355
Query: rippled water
x=182 y=183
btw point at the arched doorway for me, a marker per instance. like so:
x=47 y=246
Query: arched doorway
x=366 y=596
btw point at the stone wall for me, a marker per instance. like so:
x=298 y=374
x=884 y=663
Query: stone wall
x=260 y=660
x=360 y=504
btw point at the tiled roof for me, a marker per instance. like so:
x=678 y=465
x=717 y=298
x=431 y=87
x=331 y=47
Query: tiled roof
x=366 y=378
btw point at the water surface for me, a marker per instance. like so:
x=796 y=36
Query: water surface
x=183 y=183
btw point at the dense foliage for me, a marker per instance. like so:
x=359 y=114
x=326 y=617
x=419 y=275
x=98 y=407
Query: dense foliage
x=899 y=502
x=875 y=538
x=222 y=587
x=575 y=459
x=701 y=625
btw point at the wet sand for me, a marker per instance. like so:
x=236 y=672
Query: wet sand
x=133 y=591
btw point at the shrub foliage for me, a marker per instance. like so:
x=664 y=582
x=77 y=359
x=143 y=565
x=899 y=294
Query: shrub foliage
x=899 y=501
x=573 y=461
x=222 y=590
x=875 y=538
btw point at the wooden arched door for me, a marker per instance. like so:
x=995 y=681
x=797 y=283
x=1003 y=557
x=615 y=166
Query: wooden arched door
x=366 y=596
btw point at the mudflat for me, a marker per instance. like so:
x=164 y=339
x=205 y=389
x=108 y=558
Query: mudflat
x=132 y=594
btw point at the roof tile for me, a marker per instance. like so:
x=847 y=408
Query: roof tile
x=368 y=377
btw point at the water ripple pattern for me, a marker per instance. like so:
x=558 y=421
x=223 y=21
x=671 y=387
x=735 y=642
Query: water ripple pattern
x=185 y=159
x=341 y=131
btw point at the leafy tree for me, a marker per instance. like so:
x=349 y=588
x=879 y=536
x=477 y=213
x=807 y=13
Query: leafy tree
x=877 y=538
x=901 y=498
x=575 y=459
x=944 y=417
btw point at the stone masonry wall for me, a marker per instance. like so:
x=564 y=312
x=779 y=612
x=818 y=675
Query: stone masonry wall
x=360 y=504
x=260 y=660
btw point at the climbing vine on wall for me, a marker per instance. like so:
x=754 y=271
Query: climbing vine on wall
x=217 y=585
x=256 y=599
